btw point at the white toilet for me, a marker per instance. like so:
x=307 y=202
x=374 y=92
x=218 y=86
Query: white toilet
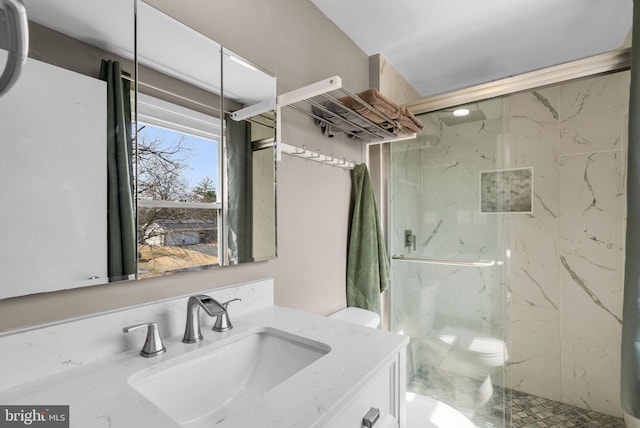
x=422 y=412
x=357 y=316
x=467 y=353
x=425 y=412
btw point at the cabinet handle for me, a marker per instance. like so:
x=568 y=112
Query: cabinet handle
x=371 y=417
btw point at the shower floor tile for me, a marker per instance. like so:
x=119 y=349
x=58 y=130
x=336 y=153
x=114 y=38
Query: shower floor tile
x=531 y=411
x=525 y=410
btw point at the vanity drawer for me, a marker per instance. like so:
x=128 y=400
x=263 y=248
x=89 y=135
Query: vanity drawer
x=379 y=393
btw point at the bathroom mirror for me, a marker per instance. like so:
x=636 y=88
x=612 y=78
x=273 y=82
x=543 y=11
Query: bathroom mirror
x=54 y=178
x=249 y=163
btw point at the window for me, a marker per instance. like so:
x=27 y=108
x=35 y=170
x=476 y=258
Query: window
x=176 y=159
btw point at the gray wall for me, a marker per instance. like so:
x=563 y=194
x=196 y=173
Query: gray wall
x=293 y=40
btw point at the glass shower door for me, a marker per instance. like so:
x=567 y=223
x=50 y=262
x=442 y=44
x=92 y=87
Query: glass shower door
x=448 y=191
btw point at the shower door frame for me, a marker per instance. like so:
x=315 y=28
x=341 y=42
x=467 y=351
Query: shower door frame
x=378 y=155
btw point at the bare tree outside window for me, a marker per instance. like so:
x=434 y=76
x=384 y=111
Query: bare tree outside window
x=179 y=236
x=160 y=166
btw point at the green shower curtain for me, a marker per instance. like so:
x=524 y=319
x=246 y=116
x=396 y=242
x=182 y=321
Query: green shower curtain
x=120 y=206
x=630 y=376
x=367 y=263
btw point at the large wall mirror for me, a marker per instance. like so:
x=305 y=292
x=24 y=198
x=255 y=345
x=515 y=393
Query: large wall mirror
x=116 y=166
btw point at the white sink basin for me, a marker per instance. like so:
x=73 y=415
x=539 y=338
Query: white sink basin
x=204 y=388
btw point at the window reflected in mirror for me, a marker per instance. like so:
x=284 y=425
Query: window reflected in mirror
x=178 y=204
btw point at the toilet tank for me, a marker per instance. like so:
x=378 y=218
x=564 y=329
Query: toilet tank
x=357 y=316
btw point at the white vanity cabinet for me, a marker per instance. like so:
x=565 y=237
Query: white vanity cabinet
x=384 y=391
x=359 y=369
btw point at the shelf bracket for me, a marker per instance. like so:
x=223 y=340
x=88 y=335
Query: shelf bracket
x=310 y=91
x=253 y=110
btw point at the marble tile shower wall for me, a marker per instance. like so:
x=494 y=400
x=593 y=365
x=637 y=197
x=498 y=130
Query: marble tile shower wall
x=566 y=273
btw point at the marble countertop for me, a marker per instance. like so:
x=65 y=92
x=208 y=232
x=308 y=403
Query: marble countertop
x=99 y=396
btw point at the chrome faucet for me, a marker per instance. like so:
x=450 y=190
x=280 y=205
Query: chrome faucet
x=213 y=308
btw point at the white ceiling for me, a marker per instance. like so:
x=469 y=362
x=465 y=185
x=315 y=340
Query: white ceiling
x=444 y=45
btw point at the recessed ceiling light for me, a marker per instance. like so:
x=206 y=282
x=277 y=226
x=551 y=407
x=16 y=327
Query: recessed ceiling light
x=461 y=112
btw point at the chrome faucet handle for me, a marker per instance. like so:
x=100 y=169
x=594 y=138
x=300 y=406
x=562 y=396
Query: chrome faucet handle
x=223 y=323
x=153 y=345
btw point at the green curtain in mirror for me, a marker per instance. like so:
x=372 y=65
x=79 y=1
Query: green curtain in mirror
x=240 y=205
x=121 y=214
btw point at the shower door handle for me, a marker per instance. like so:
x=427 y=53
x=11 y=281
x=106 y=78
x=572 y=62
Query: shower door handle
x=18 y=37
x=402 y=258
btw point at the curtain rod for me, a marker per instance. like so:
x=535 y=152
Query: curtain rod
x=208 y=108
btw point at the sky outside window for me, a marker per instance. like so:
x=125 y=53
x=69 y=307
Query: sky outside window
x=198 y=155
